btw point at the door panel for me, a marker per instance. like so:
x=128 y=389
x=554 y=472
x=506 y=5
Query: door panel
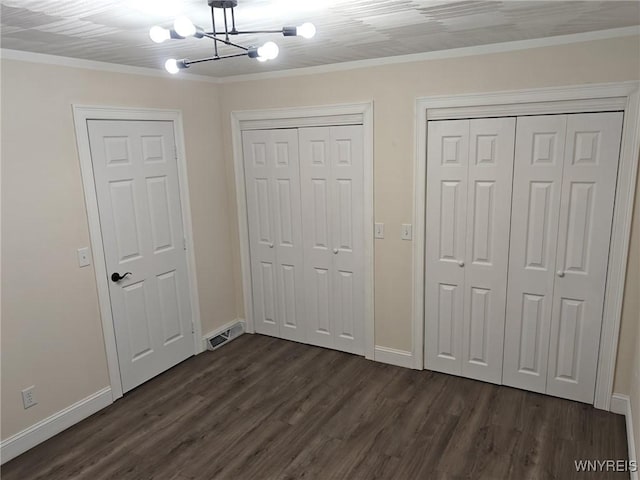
x=586 y=213
x=447 y=171
x=537 y=180
x=259 y=179
x=332 y=175
x=316 y=189
x=136 y=179
x=490 y=178
x=275 y=231
x=347 y=211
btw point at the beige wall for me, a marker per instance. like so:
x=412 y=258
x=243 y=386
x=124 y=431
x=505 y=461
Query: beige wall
x=51 y=329
x=394 y=89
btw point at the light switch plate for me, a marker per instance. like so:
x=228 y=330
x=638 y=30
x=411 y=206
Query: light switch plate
x=407 y=231
x=379 y=230
x=84 y=257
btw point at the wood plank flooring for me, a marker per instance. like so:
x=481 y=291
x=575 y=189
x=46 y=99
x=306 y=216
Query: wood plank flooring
x=265 y=408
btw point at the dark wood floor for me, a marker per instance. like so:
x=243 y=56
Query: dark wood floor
x=264 y=408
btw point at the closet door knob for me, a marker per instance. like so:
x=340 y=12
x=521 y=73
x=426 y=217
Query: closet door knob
x=271 y=245
x=560 y=273
x=461 y=263
x=335 y=250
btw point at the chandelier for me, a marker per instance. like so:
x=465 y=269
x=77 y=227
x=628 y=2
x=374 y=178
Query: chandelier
x=183 y=28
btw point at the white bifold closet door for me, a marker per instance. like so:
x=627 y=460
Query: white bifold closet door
x=469 y=175
x=332 y=182
x=272 y=179
x=564 y=188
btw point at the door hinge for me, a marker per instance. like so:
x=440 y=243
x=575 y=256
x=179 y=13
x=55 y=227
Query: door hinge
x=193 y=328
x=184 y=243
x=175 y=152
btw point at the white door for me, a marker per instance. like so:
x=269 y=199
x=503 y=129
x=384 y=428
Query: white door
x=491 y=143
x=332 y=176
x=564 y=188
x=446 y=223
x=469 y=178
x=272 y=182
x=136 y=178
x=537 y=182
x=586 y=212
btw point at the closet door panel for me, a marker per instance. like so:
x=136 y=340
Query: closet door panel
x=446 y=212
x=491 y=144
x=315 y=174
x=347 y=213
x=258 y=161
x=586 y=212
x=537 y=181
x=288 y=232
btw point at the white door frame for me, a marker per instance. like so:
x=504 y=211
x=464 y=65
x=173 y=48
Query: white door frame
x=570 y=99
x=349 y=114
x=82 y=113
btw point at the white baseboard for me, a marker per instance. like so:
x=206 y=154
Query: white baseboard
x=621 y=404
x=221 y=329
x=400 y=358
x=56 y=423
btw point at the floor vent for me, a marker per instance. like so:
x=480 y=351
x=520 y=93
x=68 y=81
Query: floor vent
x=220 y=339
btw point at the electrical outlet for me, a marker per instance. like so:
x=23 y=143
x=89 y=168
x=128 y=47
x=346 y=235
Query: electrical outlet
x=379 y=230
x=406 y=232
x=29 y=397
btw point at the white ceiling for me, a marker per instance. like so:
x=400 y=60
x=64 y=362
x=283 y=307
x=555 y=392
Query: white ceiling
x=116 y=31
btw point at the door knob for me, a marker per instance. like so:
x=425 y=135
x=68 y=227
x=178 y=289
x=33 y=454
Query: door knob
x=116 y=277
x=560 y=273
x=461 y=263
x=335 y=250
x=271 y=245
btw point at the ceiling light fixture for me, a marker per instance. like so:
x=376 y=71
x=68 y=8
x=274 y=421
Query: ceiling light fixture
x=183 y=28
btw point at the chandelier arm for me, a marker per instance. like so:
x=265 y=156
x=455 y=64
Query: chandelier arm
x=233 y=23
x=226 y=42
x=250 y=32
x=226 y=28
x=213 y=24
x=209 y=59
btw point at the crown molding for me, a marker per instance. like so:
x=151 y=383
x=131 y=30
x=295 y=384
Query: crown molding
x=441 y=54
x=33 y=57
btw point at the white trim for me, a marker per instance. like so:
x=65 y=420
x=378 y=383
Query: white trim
x=271 y=117
x=440 y=54
x=223 y=328
x=54 y=424
x=80 y=115
x=516 y=45
x=618 y=96
x=71 y=62
x=621 y=404
x=392 y=356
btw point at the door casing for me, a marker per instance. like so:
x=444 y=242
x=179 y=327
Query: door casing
x=82 y=113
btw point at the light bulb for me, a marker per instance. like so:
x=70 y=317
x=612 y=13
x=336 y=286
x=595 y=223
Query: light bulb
x=171 y=66
x=159 y=34
x=306 y=30
x=268 y=51
x=261 y=59
x=184 y=27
